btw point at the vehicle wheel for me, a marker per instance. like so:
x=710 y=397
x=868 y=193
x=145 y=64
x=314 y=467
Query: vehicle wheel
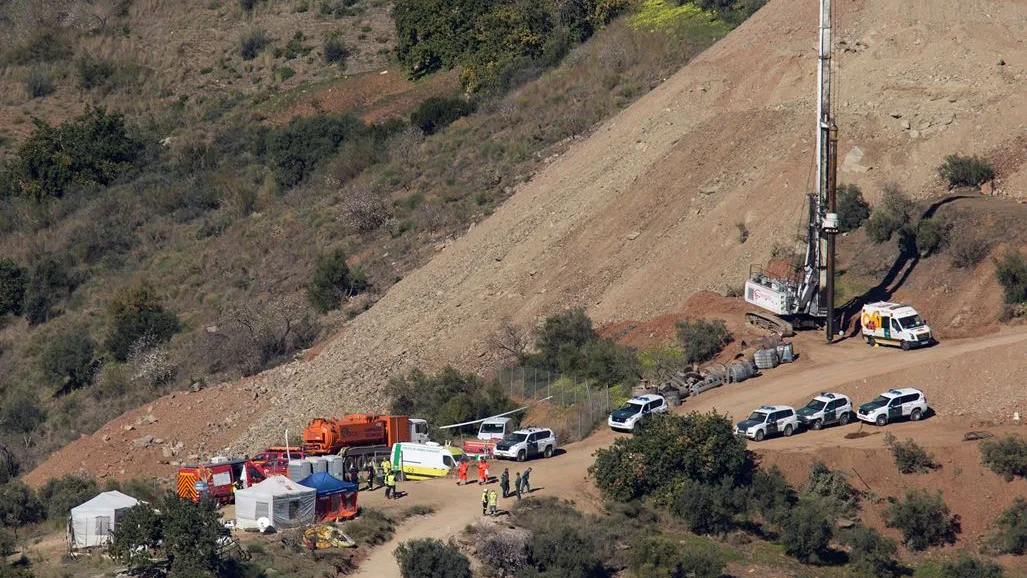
x=882 y=420
x=871 y=341
x=844 y=419
x=521 y=456
x=818 y=424
x=788 y=430
x=549 y=452
x=904 y=345
x=916 y=415
x=760 y=435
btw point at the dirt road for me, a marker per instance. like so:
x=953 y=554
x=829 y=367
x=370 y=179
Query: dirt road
x=849 y=367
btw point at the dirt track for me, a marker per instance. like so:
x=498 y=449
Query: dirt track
x=849 y=367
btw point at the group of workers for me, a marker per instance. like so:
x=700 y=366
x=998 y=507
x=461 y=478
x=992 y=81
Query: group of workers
x=387 y=475
x=489 y=498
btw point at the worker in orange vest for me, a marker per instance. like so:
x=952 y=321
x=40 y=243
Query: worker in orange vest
x=461 y=473
x=483 y=468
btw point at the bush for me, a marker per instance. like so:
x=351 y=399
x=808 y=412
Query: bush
x=970 y=567
x=39 y=83
x=503 y=550
x=67 y=361
x=446 y=397
x=924 y=519
x=702 y=339
x=889 y=217
x=436 y=112
x=1006 y=457
x=136 y=314
x=806 y=532
x=960 y=171
x=49 y=283
x=562 y=334
x=333 y=280
x=253 y=43
x=64 y=493
x=372 y=528
x=45 y=45
x=931 y=237
x=852 y=208
x=1011 y=271
x=663 y=558
x=21 y=413
x=19 y=505
x=248 y=5
x=139 y=531
x=567 y=551
x=708 y=508
x=662 y=452
x=871 y=554
x=93 y=72
x=967 y=250
x=336 y=52
x=431 y=558
x=910 y=457
x=770 y=494
x=190 y=534
x=8 y=543
x=832 y=488
x=1011 y=529
x=13 y=280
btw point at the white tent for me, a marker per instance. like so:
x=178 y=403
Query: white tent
x=282 y=501
x=93 y=521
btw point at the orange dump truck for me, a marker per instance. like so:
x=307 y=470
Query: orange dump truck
x=361 y=437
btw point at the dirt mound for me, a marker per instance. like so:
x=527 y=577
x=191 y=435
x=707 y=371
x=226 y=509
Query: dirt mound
x=632 y=220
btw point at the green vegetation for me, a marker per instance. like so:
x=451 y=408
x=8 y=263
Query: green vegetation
x=962 y=171
x=333 y=281
x=12 y=287
x=567 y=343
x=702 y=339
x=137 y=317
x=971 y=567
x=892 y=215
x=430 y=558
x=436 y=112
x=852 y=208
x=931 y=237
x=335 y=52
x=806 y=532
x=924 y=520
x=68 y=361
x=910 y=457
x=446 y=397
x=253 y=43
x=968 y=249
x=1011 y=529
x=183 y=531
x=373 y=527
x=39 y=83
x=1005 y=456
x=1011 y=271
x=872 y=554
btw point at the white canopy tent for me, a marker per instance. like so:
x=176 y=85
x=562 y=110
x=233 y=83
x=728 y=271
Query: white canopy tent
x=92 y=522
x=282 y=501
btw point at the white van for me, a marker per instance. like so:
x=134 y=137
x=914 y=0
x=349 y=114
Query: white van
x=894 y=324
x=423 y=461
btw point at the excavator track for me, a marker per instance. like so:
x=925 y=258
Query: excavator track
x=770 y=323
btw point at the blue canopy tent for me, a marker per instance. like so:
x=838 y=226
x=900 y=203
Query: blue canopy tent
x=336 y=499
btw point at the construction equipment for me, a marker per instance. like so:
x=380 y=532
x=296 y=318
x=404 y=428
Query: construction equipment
x=361 y=437
x=805 y=298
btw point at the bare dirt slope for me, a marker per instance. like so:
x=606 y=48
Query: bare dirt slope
x=631 y=221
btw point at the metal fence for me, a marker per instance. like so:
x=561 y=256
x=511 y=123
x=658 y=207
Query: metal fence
x=576 y=405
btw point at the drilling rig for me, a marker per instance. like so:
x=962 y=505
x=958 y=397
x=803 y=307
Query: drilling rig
x=804 y=298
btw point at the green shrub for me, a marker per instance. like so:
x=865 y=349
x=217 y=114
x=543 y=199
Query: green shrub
x=871 y=554
x=64 y=493
x=924 y=520
x=13 y=280
x=139 y=531
x=93 y=72
x=45 y=45
x=661 y=452
x=8 y=542
x=333 y=280
x=832 y=489
x=1011 y=529
x=502 y=550
x=446 y=397
x=372 y=527
x=431 y=558
x=662 y=558
x=1011 y=271
x=21 y=413
x=136 y=315
x=562 y=334
x=708 y=508
x=702 y=339
x=960 y=171
x=890 y=216
x=68 y=361
x=189 y=533
x=253 y=43
x=284 y=73
x=806 y=532
x=436 y=112
x=968 y=249
x=931 y=237
x=39 y=83
x=336 y=52
x=49 y=283
x=770 y=494
x=248 y=5
x=852 y=208
x=1006 y=456
x=910 y=457
x=566 y=551
x=970 y=567
x=19 y=505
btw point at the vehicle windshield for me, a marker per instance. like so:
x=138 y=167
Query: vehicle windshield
x=911 y=322
x=758 y=416
x=516 y=438
x=815 y=404
x=492 y=428
x=881 y=400
x=631 y=408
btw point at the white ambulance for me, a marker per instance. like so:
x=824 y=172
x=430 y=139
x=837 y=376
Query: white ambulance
x=895 y=324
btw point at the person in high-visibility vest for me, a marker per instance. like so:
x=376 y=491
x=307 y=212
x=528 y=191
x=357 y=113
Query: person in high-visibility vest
x=386 y=465
x=461 y=473
x=390 y=485
x=483 y=468
x=484 y=502
x=493 y=502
